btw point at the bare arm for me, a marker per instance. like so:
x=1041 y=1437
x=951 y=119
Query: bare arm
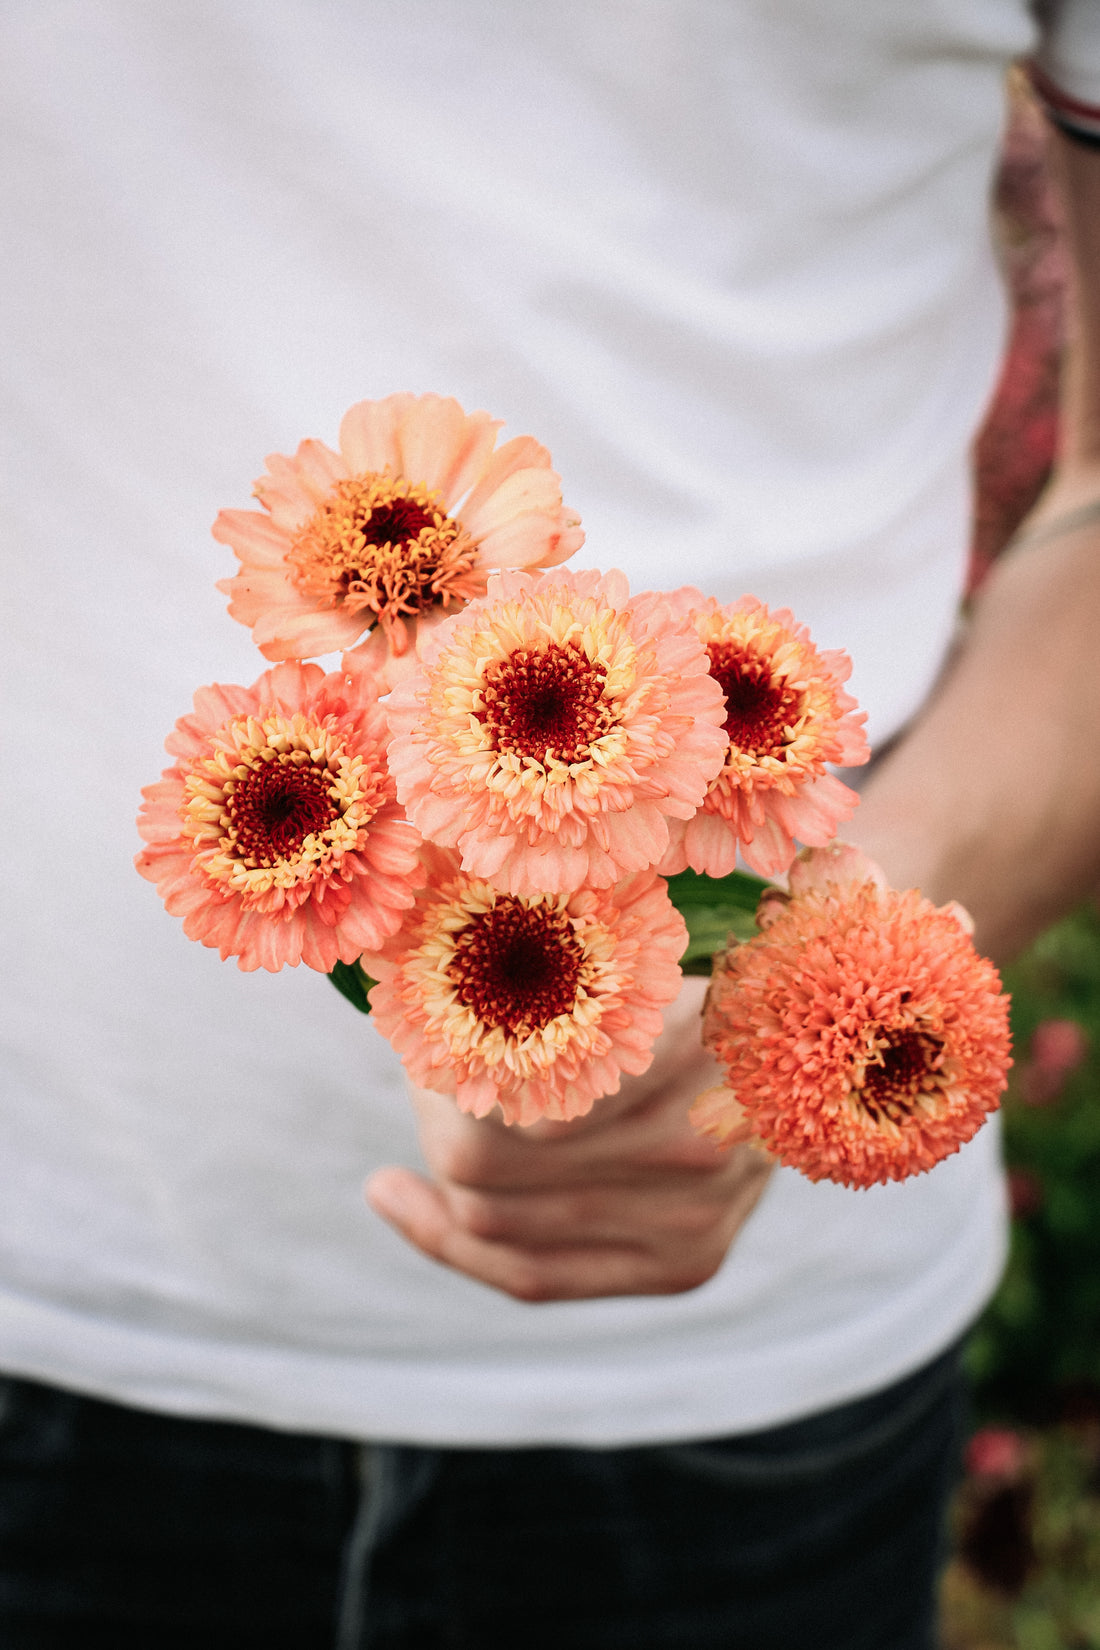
x=993 y=797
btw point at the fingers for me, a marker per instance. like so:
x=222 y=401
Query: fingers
x=567 y=1245
x=463 y=1152
x=419 y=1212
x=681 y=1209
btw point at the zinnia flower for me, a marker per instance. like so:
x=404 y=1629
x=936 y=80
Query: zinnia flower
x=276 y=835
x=786 y=716
x=402 y=523
x=555 y=727
x=536 y=1003
x=863 y=1037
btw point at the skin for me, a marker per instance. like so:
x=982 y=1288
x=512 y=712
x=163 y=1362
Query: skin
x=992 y=798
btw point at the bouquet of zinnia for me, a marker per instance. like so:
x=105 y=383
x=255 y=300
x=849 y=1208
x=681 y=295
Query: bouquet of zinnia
x=513 y=817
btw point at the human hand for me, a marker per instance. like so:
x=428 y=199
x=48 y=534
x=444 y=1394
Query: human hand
x=626 y=1201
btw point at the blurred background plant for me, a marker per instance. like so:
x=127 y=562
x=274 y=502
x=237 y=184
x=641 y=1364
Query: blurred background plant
x=1026 y=1568
x=1025 y=1571
x=1036 y=1353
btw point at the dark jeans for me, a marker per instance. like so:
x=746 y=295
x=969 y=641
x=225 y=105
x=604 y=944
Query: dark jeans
x=123 y=1530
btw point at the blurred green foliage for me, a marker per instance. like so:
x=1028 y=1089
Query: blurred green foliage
x=1036 y=1352
x=1035 y=1356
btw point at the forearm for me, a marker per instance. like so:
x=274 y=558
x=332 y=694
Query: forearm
x=993 y=797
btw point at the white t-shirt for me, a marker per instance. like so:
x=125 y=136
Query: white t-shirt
x=728 y=259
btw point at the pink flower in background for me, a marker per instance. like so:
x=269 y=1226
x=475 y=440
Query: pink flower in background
x=536 y=1003
x=995 y=1534
x=276 y=835
x=554 y=729
x=787 y=715
x=996 y=1452
x=1057 y=1048
x=863 y=1037
x=387 y=534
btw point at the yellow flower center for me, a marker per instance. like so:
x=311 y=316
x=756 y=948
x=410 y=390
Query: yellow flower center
x=385 y=544
x=276 y=805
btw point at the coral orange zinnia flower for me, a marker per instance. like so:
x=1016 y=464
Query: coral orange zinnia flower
x=786 y=716
x=863 y=1037
x=276 y=835
x=536 y=1003
x=389 y=532
x=555 y=727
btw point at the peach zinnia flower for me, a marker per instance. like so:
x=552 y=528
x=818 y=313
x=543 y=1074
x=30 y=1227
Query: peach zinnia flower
x=400 y=524
x=276 y=835
x=555 y=727
x=536 y=1003
x=787 y=715
x=864 y=1039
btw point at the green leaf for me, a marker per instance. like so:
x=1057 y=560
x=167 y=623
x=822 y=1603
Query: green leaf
x=716 y=910
x=711 y=929
x=351 y=982
x=740 y=889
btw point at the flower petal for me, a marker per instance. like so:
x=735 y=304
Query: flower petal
x=445 y=448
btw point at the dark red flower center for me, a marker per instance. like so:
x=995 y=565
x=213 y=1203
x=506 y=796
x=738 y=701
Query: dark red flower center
x=545 y=703
x=517 y=966
x=400 y=521
x=892 y=1083
x=758 y=706
x=276 y=806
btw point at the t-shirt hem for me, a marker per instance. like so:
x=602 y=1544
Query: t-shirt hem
x=432 y=1402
